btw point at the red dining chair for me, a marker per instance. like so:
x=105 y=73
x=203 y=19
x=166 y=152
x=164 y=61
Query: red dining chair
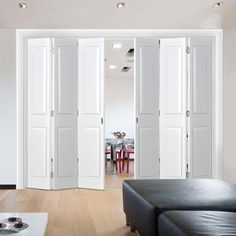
x=126 y=155
x=119 y=159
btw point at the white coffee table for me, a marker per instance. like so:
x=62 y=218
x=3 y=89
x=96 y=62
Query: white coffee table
x=37 y=223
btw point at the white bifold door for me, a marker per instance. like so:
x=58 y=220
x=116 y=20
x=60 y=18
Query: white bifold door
x=52 y=113
x=173 y=107
x=200 y=107
x=185 y=107
x=91 y=110
x=147 y=108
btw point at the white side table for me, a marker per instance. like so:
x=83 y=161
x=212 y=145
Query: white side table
x=37 y=223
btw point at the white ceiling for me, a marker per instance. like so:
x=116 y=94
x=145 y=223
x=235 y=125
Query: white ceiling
x=119 y=58
x=103 y=14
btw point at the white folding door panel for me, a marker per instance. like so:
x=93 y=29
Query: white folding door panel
x=200 y=107
x=91 y=130
x=65 y=60
x=39 y=69
x=147 y=108
x=172 y=107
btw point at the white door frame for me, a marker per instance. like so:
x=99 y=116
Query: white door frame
x=217 y=132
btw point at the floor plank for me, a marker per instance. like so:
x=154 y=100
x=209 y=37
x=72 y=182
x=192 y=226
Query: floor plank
x=76 y=212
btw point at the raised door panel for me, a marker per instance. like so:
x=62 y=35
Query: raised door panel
x=201 y=79
x=148 y=99
x=66 y=92
x=173 y=72
x=37 y=74
x=90 y=165
x=201 y=152
x=90 y=61
x=172 y=156
x=147 y=155
x=38 y=152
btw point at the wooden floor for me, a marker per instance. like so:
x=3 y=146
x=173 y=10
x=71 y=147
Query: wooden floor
x=115 y=180
x=77 y=212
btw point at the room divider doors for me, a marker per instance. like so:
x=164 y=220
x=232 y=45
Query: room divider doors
x=52 y=113
x=65 y=166
x=173 y=104
x=147 y=108
x=39 y=108
x=186 y=107
x=91 y=113
x=200 y=107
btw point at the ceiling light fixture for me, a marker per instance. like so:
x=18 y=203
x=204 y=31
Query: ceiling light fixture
x=117 y=45
x=112 y=67
x=22 y=5
x=120 y=5
x=218 y=4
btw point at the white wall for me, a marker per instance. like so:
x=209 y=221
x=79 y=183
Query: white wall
x=7 y=107
x=230 y=106
x=119 y=106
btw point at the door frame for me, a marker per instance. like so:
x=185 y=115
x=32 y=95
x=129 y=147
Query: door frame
x=217 y=86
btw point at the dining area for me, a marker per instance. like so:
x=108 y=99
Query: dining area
x=119 y=158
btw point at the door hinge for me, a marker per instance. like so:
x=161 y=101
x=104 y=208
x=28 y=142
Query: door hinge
x=187 y=172
x=188 y=113
x=52 y=175
x=102 y=120
x=188 y=50
x=77 y=159
x=52 y=113
x=136 y=119
x=187 y=135
x=77 y=113
x=159 y=43
x=159 y=113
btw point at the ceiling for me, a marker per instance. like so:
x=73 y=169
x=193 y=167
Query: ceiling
x=119 y=58
x=103 y=14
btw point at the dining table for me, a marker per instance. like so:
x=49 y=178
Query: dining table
x=116 y=145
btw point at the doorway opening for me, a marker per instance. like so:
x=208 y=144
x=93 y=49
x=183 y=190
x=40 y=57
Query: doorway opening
x=119 y=117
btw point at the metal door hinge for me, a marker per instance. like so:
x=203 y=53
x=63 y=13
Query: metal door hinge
x=159 y=113
x=52 y=175
x=188 y=113
x=77 y=113
x=102 y=120
x=52 y=113
x=187 y=172
x=159 y=43
x=187 y=135
x=136 y=119
x=188 y=50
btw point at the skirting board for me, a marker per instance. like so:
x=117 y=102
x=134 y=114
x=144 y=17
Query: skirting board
x=7 y=186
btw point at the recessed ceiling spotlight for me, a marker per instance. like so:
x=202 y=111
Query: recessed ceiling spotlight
x=218 y=4
x=22 y=5
x=117 y=45
x=120 y=5
x=112 y=67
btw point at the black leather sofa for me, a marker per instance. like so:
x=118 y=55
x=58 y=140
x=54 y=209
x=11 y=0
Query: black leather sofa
x=197 y=223
x=145 y=200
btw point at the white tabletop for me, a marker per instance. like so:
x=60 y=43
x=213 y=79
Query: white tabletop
x=37 y=223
